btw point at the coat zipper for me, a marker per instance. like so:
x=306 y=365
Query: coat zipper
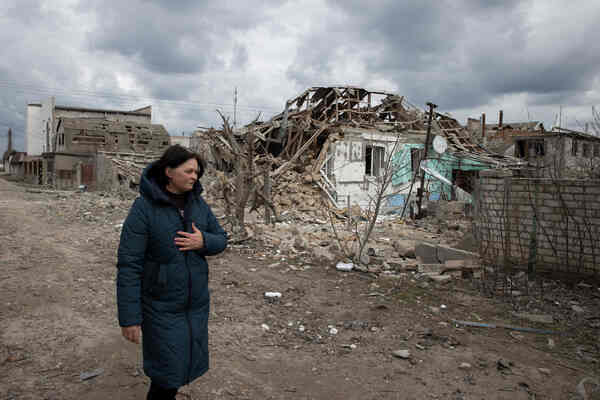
x=189 y=305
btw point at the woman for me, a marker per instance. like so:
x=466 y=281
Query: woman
x=162 y=278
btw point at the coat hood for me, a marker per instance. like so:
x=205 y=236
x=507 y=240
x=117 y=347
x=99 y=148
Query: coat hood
x=151 y=190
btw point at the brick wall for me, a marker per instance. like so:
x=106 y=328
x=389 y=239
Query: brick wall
x=541 y=223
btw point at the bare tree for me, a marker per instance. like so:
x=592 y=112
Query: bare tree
x=242 y=186
x=376 y=201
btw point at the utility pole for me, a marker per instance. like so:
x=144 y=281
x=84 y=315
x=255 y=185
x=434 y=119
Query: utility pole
x=235 y=108
x=420 y=189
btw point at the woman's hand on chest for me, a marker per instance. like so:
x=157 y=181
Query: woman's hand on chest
x=189 y=241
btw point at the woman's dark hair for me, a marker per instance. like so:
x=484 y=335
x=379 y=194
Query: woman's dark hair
x=173 y=157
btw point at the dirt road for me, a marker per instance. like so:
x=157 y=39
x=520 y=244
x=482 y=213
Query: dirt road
x=331 y=335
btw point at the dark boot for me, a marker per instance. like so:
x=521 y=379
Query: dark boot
x=159 y=393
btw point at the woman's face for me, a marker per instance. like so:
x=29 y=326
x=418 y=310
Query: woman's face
x=183 y=177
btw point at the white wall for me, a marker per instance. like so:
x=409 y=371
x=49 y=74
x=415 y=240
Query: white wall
x=349 y=165
x=35 y=128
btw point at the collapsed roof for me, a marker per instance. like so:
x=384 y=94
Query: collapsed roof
x=310 y=118
x=301 y=134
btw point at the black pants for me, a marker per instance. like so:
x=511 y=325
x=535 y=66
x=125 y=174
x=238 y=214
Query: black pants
x=159 y=393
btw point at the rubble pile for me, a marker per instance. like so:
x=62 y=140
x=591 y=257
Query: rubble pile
x=128 y=167
x=95 y=207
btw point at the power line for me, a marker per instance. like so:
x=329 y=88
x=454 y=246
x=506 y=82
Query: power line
x=122 y=98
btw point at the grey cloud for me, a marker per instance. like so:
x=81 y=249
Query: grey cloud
x=460 y=54
x=171 y=37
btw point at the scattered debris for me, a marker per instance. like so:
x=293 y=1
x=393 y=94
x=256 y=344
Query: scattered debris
x=84 y=376
x=404 y=354
x=504 y=366
x=464 y=366
x=342 y=266
x=545 y=371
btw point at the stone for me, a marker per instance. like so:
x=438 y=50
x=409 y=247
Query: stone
x=300 y=243
x=540 y=318
x=365 y=259
x=439 y=278
x=544 y=371
x=464 y=366
x=503 y=365
x=404 y=354
x=404 y=248
x=426 y=253
x=324 y=254
x=577 y=309
x=84 y=376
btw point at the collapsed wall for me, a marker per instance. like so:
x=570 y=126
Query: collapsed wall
x=538 y=223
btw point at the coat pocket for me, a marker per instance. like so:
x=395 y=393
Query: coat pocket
x=158 y=280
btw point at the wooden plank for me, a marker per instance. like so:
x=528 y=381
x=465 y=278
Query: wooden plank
x=284 y=167
x=321 y=159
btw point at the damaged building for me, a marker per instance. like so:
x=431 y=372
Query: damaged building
x=72 y=146
x=342 y=136
x=558 y=153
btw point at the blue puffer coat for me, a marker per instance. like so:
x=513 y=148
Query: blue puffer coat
x=163 y=289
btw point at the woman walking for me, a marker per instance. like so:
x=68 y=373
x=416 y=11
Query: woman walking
x=162 y=278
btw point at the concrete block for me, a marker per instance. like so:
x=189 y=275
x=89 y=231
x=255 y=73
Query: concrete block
x=448 y=253
x=431 y=268
x=439 y=278
x=426 y=253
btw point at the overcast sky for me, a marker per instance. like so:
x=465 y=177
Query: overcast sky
x=185 y=57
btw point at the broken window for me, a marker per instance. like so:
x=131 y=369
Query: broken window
x=574 y=144
x=597 y=150
x=374 y=160
x=585 y=148
x=520 y=151
x=539 y=148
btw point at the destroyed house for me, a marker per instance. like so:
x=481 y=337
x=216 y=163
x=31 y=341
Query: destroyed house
x=42 y=121
x=89 y=135
x=343 y=136
x=79 y=142
x=560 y=153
